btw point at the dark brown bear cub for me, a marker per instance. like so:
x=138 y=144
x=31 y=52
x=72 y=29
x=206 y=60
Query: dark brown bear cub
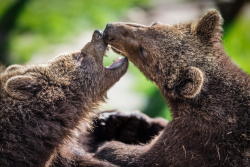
x=208 y=94
x=40 y=105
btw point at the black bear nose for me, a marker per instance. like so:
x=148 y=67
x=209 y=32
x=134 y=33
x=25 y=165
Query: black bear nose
x=107 y=29
x=97 y=35
x=108 y=26
x=98 y=32
x=107 y=32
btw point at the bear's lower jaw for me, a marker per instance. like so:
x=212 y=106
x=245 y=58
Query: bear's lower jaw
x=118 y=63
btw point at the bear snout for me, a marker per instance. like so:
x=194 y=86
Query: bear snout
x=97 y=35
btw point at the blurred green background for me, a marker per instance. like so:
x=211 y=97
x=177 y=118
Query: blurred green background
x=28 y=27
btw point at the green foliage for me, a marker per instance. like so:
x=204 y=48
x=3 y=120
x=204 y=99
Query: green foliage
x=3 y=6
x=155 y=103
x=237 y=42
x=44 y=22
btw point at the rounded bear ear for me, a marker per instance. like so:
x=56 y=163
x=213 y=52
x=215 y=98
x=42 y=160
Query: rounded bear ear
x=13 y=67
x=209 y=26
x=191 y=83
x=22 y=87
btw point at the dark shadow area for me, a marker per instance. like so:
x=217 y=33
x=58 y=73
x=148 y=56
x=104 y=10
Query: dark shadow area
x=229 y=11
x=7 y=24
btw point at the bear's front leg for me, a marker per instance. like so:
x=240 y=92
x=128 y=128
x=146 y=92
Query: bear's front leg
x=86 y=160
x=89 y=161
x=129 y=128
x=121 y=154
x=123 y=135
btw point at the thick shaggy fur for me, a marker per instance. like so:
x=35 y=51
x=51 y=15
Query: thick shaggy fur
x=208 y=94
x=41 y=105
x=130 y=128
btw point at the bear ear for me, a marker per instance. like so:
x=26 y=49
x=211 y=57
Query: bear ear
x=191 y=83
x=22 y=87
x=209 y=26
x=13 y=67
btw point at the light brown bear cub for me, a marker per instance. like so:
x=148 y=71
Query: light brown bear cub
x=40 y=105
x=208 y=94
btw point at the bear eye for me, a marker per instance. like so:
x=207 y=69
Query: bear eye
x=142 y=52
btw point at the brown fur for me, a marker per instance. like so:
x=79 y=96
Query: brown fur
x=41 y=105
x=130 y=128
x=208 y=94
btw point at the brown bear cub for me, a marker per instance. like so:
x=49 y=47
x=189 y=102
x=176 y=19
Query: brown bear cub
x=41 y=105
x=208 y=94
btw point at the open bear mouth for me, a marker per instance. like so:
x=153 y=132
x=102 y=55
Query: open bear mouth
x=118 y=62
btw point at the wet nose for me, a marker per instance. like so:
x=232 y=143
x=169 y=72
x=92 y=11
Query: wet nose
x=108 y=26
x=96 y=35
x=107 y=31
